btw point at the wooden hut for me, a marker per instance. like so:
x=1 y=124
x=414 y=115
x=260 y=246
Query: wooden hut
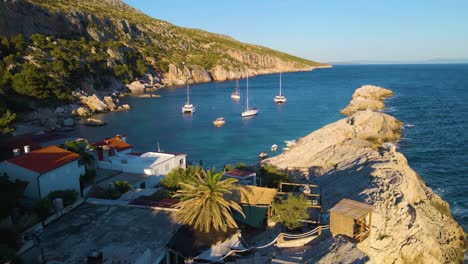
x=351 y=218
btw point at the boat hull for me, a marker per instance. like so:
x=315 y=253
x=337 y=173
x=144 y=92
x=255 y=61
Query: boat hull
x=188 y=109
x=279 y=99
x=250 y=112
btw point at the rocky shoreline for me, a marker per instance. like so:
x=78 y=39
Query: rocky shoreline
x=356 y=157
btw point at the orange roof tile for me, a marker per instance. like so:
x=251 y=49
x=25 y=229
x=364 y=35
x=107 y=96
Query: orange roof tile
x=116 y=142
x=45 y=159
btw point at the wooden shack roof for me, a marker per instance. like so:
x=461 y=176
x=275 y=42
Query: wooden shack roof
x=252 y=195
x=351 y=208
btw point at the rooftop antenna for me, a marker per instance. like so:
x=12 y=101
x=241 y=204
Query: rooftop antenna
x=159 y=149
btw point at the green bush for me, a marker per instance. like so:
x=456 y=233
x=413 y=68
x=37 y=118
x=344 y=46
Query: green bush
x=176 y=176
x=272 y=177
x=161 y=194
x=110 y=193
x=68 y=196
x=43 y=208
x=122 y=186
x=8 y=255
x=291 y=211
x=88 y=177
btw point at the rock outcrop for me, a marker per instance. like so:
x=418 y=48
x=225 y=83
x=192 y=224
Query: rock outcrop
x=353 y=158
x=367 y=97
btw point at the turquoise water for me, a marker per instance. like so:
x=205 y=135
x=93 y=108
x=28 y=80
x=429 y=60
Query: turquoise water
x=432 y=100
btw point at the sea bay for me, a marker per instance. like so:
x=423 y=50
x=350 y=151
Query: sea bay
x=429 y=99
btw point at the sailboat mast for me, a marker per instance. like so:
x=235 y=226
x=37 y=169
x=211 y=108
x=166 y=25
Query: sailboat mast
x=280 y=84
x=247 y=92
x=188 y=93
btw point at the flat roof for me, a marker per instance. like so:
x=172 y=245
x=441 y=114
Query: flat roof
x=240 y=173
x=351 y=208
x=144 y=160
x=45 y=159
x=252 y=195
x=121 y=233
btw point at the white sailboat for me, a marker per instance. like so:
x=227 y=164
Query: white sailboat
x=236 y=94
x=249 y=111
x=188 y=108
x=280 y=99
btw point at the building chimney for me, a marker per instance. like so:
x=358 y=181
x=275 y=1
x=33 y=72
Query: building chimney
x=16 y=152
x=124 y=138
x=27 y=149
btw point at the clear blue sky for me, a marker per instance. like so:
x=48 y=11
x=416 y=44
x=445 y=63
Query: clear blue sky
x=329 y=30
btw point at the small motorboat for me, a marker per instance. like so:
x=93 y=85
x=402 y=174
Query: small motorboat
x=274 y=147
x=290 y=143
x=263 y=155
x=219 y=122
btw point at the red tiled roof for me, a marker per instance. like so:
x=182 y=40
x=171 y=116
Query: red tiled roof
x=116 y=142
x=239 y=173
x=45 y=159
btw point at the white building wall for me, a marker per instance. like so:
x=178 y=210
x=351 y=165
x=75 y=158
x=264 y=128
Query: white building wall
x=62 y=178
x=15 y=172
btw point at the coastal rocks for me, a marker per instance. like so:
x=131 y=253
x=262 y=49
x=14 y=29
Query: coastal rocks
x=94 y=122
x=82 y=111
x=136 y=87
x=110 y=103
x=94 y=103
x=367 y=97
x=350 y=159
x=69 y=122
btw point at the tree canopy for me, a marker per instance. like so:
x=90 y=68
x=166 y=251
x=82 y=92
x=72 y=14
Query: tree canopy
x=291 y=211
x=202 y=204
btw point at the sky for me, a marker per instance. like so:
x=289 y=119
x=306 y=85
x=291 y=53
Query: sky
x=330 y=30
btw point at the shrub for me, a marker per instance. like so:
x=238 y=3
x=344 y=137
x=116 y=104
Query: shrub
x=68 y=196
x=110 y=193
x=290 y=211
x=272 y=177
x=88 y=177
x=43 y=208
x=160 y=194
x=176 y=176
x=122 y=186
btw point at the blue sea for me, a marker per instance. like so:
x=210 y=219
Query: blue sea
x=432 y=101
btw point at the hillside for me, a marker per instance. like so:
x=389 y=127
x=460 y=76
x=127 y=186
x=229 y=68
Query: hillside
x=50 y=48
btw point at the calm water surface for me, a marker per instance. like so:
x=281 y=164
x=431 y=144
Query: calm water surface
x=432 y=100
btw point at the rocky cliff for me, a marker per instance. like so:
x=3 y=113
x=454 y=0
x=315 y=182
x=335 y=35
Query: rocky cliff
x=356 y=158
x=53 y=48
x=367 y=97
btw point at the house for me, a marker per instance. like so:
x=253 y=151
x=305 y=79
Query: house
x=116 y=154
x=255 y=202
x=351 y=218
x=109 y=234
x=17 y=145
x=244 y=177
x=111 y=146
x=47 y=169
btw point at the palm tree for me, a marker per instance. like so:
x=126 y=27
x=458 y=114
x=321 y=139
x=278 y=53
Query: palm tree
x=203 y=205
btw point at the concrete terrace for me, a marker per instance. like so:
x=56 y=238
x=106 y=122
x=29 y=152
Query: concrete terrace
x=121 y=233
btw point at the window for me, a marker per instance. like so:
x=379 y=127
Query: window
x=167 y=167
x=181 y=162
